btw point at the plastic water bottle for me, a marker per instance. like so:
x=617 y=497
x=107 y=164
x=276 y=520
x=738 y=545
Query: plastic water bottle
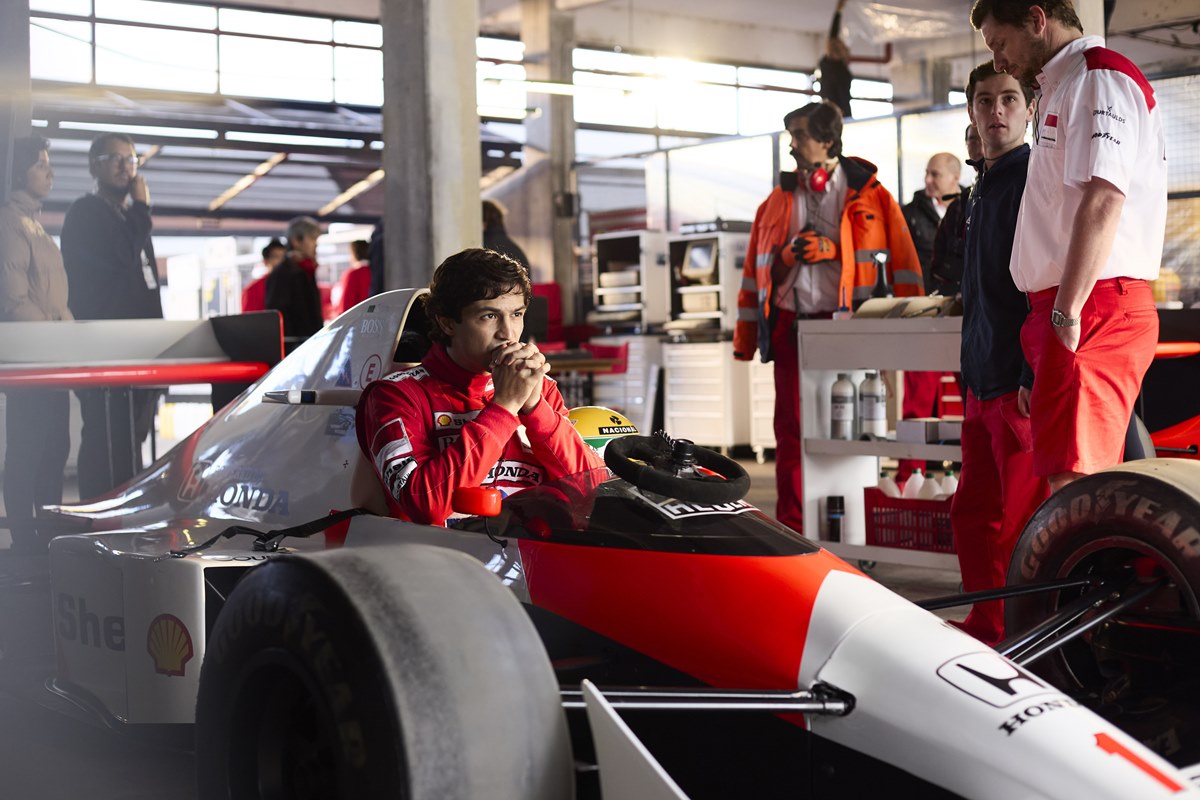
x=887 y=485
x=950 y=484
x=930 y=489
x=872 y=405
x=842 y=401
x=912 y=486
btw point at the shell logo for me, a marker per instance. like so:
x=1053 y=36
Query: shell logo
x=443 y=420
x=169 y=644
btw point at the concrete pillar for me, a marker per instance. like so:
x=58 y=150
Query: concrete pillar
x=15 y=88
x=431 y=153
x=550 y=196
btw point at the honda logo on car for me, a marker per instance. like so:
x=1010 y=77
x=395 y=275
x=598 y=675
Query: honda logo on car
x=77 y=623
x=988 y=677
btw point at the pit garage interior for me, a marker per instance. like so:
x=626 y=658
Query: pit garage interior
x=615 y=132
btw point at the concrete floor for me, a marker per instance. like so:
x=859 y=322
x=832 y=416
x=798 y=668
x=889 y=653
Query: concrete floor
x=48 y=755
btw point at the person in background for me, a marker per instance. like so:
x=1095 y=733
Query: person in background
x=945 y=268
x=998 y=491
x=1089 y=234
x=811 y=251
x=254 y=296
x=33 y=287
x=355 y=284
x=928 y=206
x=496 y=238
x=109 y=257
x=924 y=213
x=375 y=258
x=479 y=409
x=292 y=286
x=834 y=66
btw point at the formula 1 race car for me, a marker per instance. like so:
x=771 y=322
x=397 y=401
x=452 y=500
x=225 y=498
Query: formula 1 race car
x=640 y=633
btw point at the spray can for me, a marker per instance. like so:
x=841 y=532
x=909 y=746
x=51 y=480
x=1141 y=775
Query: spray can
x=872 y=405
x=841 y=408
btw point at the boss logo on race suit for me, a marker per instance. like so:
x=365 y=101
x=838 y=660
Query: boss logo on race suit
x=76 y=623
x=1115 y=498
x=169 y=644
x=677 y=509
x=1010 y=725
x=988 y=677
x=508 y=471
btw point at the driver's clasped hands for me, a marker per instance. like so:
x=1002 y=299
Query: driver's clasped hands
x=517 y=369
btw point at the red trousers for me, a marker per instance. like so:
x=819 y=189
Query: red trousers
x=789 y=483
x=1082 y=400
x=997 y=494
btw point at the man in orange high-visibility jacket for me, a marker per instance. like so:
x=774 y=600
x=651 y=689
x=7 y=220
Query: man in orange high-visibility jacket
x=812 y=250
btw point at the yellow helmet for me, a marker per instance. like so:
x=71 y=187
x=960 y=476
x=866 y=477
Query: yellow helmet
x=598 y=425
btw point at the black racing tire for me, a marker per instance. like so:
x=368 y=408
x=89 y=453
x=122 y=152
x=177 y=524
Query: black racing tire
x=637 y=458
x=404 y=672
x=1145 y=512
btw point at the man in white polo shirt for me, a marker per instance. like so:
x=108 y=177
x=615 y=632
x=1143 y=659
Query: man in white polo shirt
x=1090 y=231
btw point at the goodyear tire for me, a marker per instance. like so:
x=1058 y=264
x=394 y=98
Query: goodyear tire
x=403 y=671
x=1140 y=664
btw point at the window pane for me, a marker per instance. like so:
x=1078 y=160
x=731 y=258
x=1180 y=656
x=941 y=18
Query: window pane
x=497 y=95
x=594 y=145
x=755 y=76
x=182 y=61
x=60 y=50
x=635 y=109
x=926 y=134
x=876 y=142
x=682 y=69
x=612 y=62
x=358 y=76
x=177 y=14
x=761 y=111
x=315 y=28
x=80 y=7
x=687 y=106
x=367 y=34
x=264 y=68
x=503 y=49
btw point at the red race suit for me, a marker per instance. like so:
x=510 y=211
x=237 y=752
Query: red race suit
x=432 y=428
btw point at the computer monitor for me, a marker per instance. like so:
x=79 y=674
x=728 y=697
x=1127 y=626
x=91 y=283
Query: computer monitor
x=699 y=261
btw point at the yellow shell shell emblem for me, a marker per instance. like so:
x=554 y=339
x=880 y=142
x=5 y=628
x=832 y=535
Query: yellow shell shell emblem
x=169 y=644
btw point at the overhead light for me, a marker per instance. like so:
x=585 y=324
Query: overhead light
x=354 y=191
x=550 y=87
x=246 y=181
x=508 y=112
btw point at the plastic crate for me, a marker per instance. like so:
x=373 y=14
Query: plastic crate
x=899 y=522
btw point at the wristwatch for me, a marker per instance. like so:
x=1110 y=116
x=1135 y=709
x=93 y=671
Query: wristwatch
x=1060 y=320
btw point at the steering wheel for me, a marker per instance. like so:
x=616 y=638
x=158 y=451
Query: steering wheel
x=667 y=467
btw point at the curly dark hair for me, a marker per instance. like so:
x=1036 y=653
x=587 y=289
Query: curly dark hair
x=467 y=277
x=1015 y=12
x=26 y=152
x=824 y=123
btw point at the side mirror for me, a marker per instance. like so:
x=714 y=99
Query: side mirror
x=477 y=501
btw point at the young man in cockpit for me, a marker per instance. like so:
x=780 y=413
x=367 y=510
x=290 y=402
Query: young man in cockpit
x=478 y=410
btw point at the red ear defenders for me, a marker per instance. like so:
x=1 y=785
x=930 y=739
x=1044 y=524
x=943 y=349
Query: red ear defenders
x=818 y=179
